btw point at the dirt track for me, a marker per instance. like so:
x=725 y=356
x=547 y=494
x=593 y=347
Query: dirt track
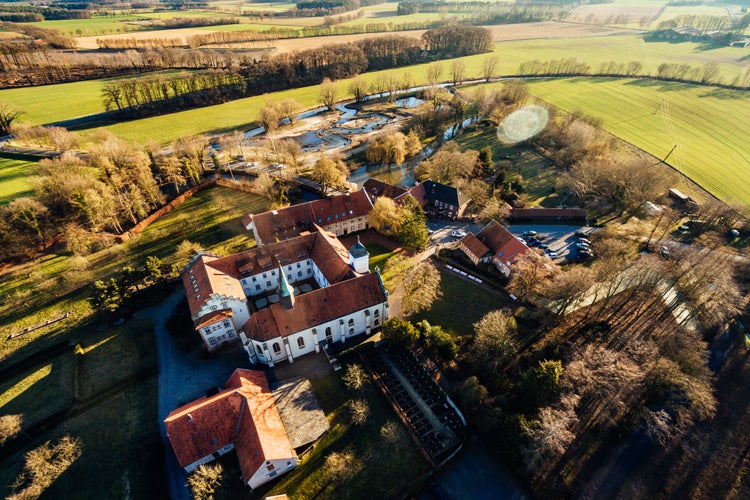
x=500 y=33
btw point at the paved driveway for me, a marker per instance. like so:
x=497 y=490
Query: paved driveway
x=559 y=238
x=182 y=378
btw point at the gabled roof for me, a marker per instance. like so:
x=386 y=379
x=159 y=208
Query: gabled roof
x=475 y=246
x=208 y=274
x=201 y=280
x=244 y=413
x=375 y=188
x=285 y=223
x=503 y=245
x=316 y=307
x=212 y=317
x=442 y=192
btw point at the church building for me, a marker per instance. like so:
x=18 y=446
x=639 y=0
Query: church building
x=286 y=299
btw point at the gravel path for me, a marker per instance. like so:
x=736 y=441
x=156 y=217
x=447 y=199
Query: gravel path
x=182 y=378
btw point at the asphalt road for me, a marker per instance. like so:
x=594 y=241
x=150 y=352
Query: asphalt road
x=182 y=378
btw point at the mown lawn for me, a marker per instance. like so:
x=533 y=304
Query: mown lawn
x=40 y=391
x=14 y=182
x=708 y=126
x=461 y=305
x=122 y=455
x=112 y=357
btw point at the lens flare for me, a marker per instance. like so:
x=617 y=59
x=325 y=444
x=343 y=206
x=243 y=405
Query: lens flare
x=522 y=124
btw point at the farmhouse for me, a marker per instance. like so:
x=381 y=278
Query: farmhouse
x=340 y=215
x=252 y=296
x=375 y=188
x=504 y=248
x=547 y=215
x=242 y=417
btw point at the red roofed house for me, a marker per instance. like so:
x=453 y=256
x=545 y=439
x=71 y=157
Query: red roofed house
x=342 y=299
x=505 y=247
x=242 y=417
x=339 y=215
x=474 y=249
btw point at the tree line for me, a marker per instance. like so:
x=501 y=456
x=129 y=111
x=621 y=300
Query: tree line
x=286 y=70
x=501 y=13
x=51 y=37
x=708 y=74
x=30 y=14
x=89 y=200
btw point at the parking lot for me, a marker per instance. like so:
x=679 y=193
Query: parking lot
x=553 y=238
x=559 y=239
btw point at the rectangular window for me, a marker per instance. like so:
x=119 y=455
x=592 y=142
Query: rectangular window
x=255 y=278
x=299 y=265
x=257 y=288
x=268 y=284
x=299 y=274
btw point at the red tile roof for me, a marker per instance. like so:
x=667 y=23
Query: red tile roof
x=209 y=274
x=201 y=280
x=475 y=246
x=375 y=188
x=279 y=225
x=501 y=242
x=244 y=413
x=316 y=307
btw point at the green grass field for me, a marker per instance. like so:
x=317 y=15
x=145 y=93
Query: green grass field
x=458 y=316
x=709 y=126
x=57 y=283
x=14 y=181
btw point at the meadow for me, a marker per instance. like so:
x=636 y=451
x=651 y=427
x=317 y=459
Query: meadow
x=14 y=175
x=709 y=126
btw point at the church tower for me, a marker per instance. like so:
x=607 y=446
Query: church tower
x=359 y=258
x=285 y=291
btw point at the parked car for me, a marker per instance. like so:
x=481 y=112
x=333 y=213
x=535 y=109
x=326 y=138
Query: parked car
x=582 y=245
x=584 y=240
x=552 y=255
x=581 y=233
x=534 y=243
x=529 y=233
x=684 y=228
x=458 y=234
x=543 y=246
x=664 y=251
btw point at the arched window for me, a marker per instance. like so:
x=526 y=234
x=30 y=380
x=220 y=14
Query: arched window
x=351 y=331
x=276 y=348
x=351 y=321
x=376 y=313
x=377 y=321
x=301 y=342
x=260 y=351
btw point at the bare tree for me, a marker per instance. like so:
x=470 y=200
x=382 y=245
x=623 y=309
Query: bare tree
x=421 y=287
x=44 y=465
x=358 y=87
x=458 y=71
x=489 y=66
x=434 y=72
x=8 y=115
x=328 y=93
x=10 y=426
x=355 y=377
x=205 y=480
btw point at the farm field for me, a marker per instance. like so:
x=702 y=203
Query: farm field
x=41 y=103
x=100 y=25
x=709 y=126
x=234 y=6
x=14 y=179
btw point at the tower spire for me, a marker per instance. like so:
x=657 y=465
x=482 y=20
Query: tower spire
x=285 y=291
